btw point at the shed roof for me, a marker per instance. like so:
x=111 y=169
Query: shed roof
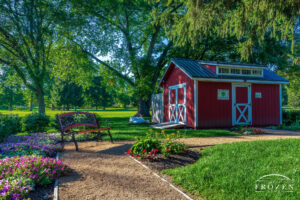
x=196 y=69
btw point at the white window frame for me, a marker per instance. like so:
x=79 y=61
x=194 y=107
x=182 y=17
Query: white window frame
x=240 y=74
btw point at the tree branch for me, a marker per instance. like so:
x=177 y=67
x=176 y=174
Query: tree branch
x=19 y=72
x=119 y=74
x=161 y=58
x=152 y=42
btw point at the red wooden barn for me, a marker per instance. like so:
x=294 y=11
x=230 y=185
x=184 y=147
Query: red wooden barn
x=207 y=94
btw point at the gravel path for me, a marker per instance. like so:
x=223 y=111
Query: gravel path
x=269 y=135
x=103 y=171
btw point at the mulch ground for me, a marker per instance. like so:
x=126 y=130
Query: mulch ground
x=173 y=161
x=42 y=193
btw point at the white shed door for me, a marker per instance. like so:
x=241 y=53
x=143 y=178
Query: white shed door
x=177 y=103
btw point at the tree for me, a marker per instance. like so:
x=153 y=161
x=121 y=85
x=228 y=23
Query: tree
x=250 y=21
x=97 y=94
x=132 y=34
x=27 y=32
x=66 y=94
x=10 y=89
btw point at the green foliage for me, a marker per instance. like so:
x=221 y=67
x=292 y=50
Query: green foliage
x=71 y=94
x=132 y=34
x=71 y=65
x=170 y=147
x=9 y=125
x=67 y=94
x=290 y=116
x=155 y=143
x=10 y=88
x=230 y=171
x=247 y=20
x=146 y=144
x=97 y=94
x=35 y=122
x=28 y=29
x=293 y=98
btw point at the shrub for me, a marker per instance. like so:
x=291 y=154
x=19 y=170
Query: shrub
x=290 y=116
x=9 y=125
x=143 y=146
x=170 y=147
x=155 y=143
x=36 y=122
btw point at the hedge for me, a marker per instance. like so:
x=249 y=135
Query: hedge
x=290 y=116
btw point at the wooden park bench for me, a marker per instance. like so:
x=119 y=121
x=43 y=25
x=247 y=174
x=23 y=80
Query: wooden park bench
x=68 y=121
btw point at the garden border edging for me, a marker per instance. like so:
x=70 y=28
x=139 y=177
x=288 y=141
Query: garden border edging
x=55 y=193
x=161 y=178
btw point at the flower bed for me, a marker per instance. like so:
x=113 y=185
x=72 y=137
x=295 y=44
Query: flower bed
x=35 y=144
x=24 y=165
x=157 y=143
x=245 y=130
x=19 y=175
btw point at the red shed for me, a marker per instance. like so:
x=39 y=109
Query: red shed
x=207 y=94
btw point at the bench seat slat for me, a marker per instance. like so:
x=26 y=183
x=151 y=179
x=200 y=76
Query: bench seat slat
x=94 y=130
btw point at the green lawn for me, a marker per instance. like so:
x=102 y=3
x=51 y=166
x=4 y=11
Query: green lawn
x=118 y=119
x=230 y=171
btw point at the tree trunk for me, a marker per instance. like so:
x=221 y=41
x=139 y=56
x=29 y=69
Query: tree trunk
x=68 y=107
x=41 y=101
x=31 y=102
x=52 y=107
x=144 y=107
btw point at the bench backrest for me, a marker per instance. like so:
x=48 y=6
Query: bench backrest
x=71 y=120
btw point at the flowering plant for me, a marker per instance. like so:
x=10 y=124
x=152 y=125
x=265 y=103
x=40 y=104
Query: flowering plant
x=19 y=174
x=35 y=144
x=257 y=131
x=15 y=188
x=156 y=143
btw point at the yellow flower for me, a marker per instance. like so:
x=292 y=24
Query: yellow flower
x=163 y=131
x=173 y=134
x=150 y=130
x=135 y=137
x=156 y=133
x=178 y=132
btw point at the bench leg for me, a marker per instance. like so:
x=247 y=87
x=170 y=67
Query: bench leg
x=98 y=136
x=110 y=136
x=75 y=142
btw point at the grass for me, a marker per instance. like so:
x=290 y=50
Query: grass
x=230 y=171
x=118 y=119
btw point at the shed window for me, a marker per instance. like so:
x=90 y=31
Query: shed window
x=223 y=70
x=235 y=71
x=257 y=72
x=240 y=71
x=246 y=71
